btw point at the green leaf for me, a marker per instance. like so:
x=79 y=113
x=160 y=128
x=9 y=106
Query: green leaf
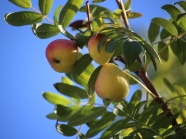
x=92 y=81
x=118 y=49
x=107 y=35
x=182 y=4
x=164 y=34
x=132 y=15
x=145 y=132
x=22 y=3
x=70 y=90
x=52 y=116
x=149 y=114
x=110 y=130
x=136 y=66
x=23 y=18
x=151 y=53
x=179 y=49
x=165 y=53
x=167 y=25
x=82 y=136
x=168 y=131
x=81 y=65
x=137 y=108
x=135 y=99
x=131 y=51
x=96 y=23
x=56 y=99
x=86 y=115
x=92 y=99
x=180 y=16
x=45 y=6
x=115 y=44
x=104 y=122
x=179 y=90
x=44 y=31
x=69 y=11
x=174 y=87
x=66 y=80
x=127 y=4
x=83 y=38
x=60 y=27
x=121 y=109
x=66 y=130
x=91 y=123
x=115 y=128
x=83 y=78
x=161 y=121
x=66 y=113
x=174 y=12
x=153 y=31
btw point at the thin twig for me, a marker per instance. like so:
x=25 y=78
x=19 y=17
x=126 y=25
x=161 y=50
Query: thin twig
x=88 y=15
x=124 y=15
x=141 y=85
x=175 y=98
x=79 y=132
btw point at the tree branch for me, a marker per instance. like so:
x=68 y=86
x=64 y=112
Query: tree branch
x=144 y=77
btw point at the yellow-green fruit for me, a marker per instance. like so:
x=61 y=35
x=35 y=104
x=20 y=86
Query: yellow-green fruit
x=62 y=54
x=101 y=57
x=112 y=83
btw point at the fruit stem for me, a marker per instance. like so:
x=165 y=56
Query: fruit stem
x=88 y=15
x=154 y=96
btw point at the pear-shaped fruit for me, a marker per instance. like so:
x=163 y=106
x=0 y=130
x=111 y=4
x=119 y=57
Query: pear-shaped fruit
x=62 y=54
x=112 y=83
x=101 y=57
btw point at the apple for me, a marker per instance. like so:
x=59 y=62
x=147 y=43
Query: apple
x=62 y=54
x=112 y=83
x=101 y=57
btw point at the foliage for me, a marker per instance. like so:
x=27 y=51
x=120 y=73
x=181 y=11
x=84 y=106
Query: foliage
x=138 y=118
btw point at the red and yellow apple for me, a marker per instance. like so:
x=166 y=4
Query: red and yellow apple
x=112 y=83
x=62 y=54
x=101 y=57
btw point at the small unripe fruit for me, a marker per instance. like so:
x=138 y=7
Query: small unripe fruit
x=101 y=57
x=112 y=83
x=62 y=54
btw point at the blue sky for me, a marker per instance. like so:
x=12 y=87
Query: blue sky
x=25 y=72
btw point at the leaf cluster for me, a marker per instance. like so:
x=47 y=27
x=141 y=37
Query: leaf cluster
x=170 y=33
x=76 y=104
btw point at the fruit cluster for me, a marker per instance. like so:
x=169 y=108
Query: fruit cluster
x=111 y=83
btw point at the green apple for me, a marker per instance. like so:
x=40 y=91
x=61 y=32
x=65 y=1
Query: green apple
x=101 y=57
x=112 y=83
x=62 y=54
